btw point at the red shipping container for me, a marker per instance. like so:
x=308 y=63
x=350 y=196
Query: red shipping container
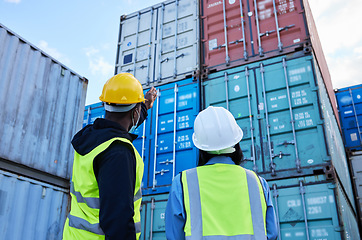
x=237 y=32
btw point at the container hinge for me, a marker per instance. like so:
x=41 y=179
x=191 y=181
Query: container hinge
x=320 y=122
x=237 y=41
x=327 y=159
x=314 y=89
x=166 y=162
x=280 y=155
x=285 y=143
x=331 y=186
x=162 y=172
x=286 y=27
x=266 y=33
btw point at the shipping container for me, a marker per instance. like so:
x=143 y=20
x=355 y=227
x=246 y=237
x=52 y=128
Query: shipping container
x=43 y=104
x=153 y=217
x=165 y=136
x=355 y=161
x=235 y=33
x=31 y=209
x=160 y=44
x=312 y=208
x=350 y=112
x=282 y=106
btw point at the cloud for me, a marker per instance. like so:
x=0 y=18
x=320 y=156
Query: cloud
x=53 y=52
x=97 y=63
x=337 y=24
x=13 y=1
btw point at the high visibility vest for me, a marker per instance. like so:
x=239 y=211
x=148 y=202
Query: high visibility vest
x=223 y=201
x=83 y=219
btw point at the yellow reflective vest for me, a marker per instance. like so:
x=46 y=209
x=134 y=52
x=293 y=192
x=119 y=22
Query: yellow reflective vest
x=223 y=201
x=83 y=219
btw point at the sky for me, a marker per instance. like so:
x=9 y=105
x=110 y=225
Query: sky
x=83 y=34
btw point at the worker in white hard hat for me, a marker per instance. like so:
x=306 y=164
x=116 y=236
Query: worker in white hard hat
x=219 y=199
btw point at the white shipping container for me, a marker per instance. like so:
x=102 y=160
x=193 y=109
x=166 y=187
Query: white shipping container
x=42 y=107
x=160 y=44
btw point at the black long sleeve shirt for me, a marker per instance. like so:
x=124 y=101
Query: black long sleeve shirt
x=115 y=171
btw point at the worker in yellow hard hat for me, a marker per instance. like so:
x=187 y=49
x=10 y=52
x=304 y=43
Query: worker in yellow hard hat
x=107 y=169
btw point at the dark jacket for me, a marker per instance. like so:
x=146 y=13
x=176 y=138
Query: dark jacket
x=115 y=170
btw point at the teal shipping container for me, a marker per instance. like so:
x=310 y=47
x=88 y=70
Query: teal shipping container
x=282 y=106
x=164 y=139
x=313 y=208
x=153 y=217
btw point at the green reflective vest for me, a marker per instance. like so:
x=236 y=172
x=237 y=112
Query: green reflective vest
x=83 y=219
x=223 y=201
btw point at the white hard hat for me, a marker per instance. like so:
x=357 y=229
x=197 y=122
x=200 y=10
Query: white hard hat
x=215 y=129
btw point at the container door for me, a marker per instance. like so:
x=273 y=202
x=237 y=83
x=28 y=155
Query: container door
x=177 y=49
x=155 y=217
x=306 y=212
x=172 y=150
x=235 y=90
x=294 y=136
x=136 y=46
x=278 y=26
x=350 y=110
x=226 y=34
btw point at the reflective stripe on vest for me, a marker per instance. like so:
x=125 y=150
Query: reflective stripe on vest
x=194 y=228
x=83 y=219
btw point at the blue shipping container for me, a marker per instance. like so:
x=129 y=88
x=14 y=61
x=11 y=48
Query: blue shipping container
x=165 y=136
x=349 y=102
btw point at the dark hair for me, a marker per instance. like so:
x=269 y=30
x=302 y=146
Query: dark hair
x=119 y=115
x=236 y=156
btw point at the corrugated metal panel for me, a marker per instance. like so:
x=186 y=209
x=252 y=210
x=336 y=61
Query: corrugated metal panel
x=159 y=142
x=153 y=221
x=160 y=44
x=254 y=30
x=30 y=209
x=276 y=104
x=350 y=112
x=42 y=106
x=356 y=169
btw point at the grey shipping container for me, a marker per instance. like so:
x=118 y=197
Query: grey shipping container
x=30 y=209
x=160 y=44
x=355 y=161
x=284 y=110
x=42 y=107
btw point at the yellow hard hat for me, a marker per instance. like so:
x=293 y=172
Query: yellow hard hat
x=122 y=88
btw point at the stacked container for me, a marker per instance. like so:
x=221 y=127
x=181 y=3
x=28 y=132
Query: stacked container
x=350 y=112
x=261 y=60
x=43 y=104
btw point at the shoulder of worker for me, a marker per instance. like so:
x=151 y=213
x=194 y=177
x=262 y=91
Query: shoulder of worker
x=97 y=133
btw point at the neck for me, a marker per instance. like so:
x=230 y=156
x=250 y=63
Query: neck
x=124 y=122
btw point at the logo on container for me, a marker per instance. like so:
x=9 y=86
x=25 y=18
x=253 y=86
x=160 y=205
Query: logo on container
x=215 y=4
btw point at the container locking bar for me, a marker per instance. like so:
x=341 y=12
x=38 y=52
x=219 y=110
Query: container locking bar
x=276 y=195
x=227 y=58
x=143 y=139
x=292 y=121
x=226 y=79
x=175 y=48
x=272 y=164
x=160 y=44
x=156 y=143
x=355 y=115
x=261 y=52
x=153 y=206
x=149 y=48
x=302 y=193
x=136 y=45
x=174 y=131
x=252 y=155
x=280 y=45
x=243 y=30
